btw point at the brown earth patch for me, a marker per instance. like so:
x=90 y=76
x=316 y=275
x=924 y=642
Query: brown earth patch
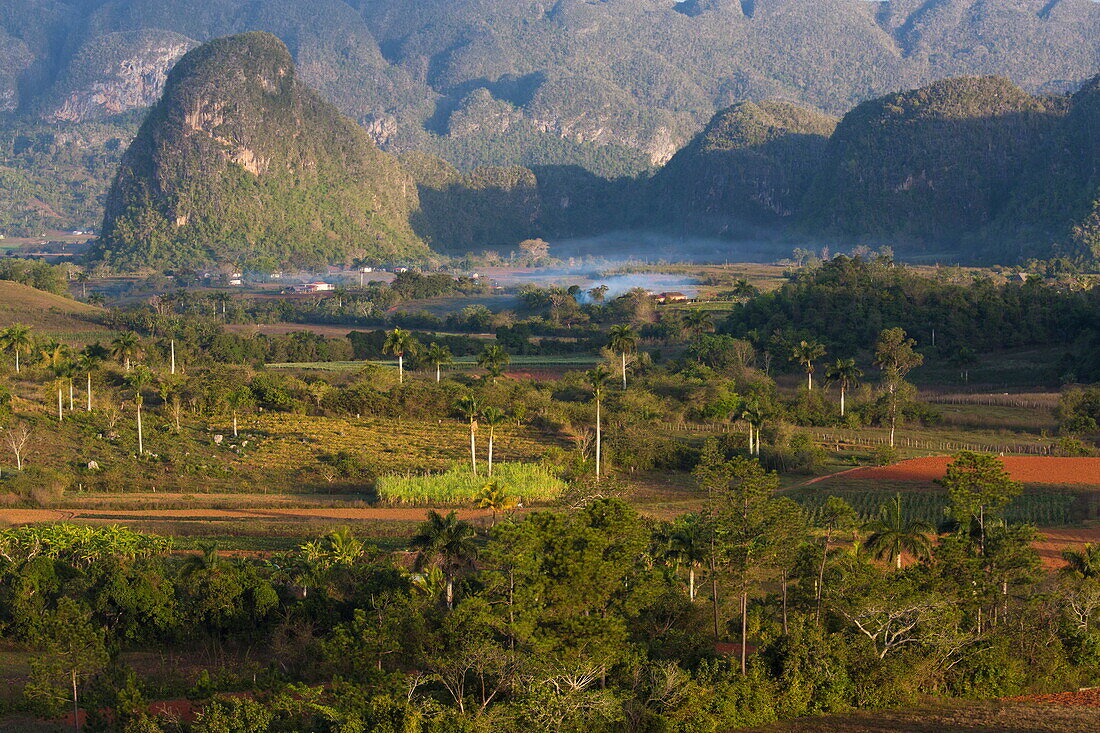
x=1027 y=469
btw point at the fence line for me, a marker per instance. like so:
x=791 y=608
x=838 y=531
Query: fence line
x=991 y=401
x=870 y=441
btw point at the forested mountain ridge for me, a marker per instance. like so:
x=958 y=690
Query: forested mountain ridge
x=540 y=82
x=973 y=167
x=241 y=163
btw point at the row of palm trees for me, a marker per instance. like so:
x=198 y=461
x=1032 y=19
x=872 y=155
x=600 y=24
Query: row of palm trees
x=66 y=364
x=401 y=343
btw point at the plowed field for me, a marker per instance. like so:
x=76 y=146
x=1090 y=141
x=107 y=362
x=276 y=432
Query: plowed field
x=1028 y=469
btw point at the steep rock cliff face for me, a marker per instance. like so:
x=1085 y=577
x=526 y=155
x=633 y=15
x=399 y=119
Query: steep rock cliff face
x=116 y=73
x=240 y=163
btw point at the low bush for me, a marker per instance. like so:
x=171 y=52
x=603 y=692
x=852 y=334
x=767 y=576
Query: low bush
x=525 y=482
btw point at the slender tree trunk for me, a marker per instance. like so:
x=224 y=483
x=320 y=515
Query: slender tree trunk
x=624 y=370
x=691 y=583
x=400 y=368
x=897 y=560
x=473 y=450
x=744 y=628
x=60 y=411
x=141 y=444
x=491 y=431
x=598 y=440
x=450 y=593
x=72 y=399
x=76 y=705
x=234 y=425
x=173 y=356
x=714 y=593
x=821 y=578
x=89 y=391
x=437 y=373
x=784 y=604
x=810 y=381
x=17 y=361
x=841 y=400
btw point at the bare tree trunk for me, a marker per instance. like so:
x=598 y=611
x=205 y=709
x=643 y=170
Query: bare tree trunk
x=76 y=705
x=437 y=373
x=234 y=425
x=400 y=368
x=714 y=593
x=598 y=439
x=841 y=400
x=691 y=583
x=72 y=399
x=89 y=391
x=491 y=431
x=141 y=445
x=624 y=370
x=173 y=356
x=744 y=628
x=784 y=604
x=473 y=450
x=60 y=408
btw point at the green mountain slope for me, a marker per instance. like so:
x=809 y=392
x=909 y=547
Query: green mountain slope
x=241 y=163
x=753 y=162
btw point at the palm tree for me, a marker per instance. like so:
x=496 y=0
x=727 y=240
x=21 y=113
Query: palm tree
x=90 y=358
x=125 y=347
x=18 y=339
x=471 y=410
x=806 y=353
x=438 y=356
x=236 y=399
x=55 y=358
x=82 y=278
x=846 y=374
x=494 y=498
x=446 y=540
x=494 y=417
x=598 y=379
x=892 y=534
x=493 y=358
x=623 y=340
x=1083 y=563
x=743 y=289
x=698 y=321
x=399 y=342
x=688 y=542
x=207 y=560
x=753 y=414
x=138 y=380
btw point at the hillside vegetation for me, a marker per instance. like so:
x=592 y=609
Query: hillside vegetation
x=239 y=162
x=536 y=83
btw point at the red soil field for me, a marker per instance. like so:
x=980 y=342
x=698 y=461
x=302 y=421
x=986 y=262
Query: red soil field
x=1027 y=469
x=1054 y=540
x=1089 y=698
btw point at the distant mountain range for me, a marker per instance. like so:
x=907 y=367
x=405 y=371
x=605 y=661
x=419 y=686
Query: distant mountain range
x=561 y=98
x=612 y=85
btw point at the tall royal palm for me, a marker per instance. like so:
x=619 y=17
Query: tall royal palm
x=846 y=375
x=493 y=358
x=89 y=361
x=598 y=380
x=806 y=353
x=448 y=541
x=17 y=338
x=138 y=380
x=439 y=357
x=126 y=347
x=54 y=357
x=470 y=409
x=398 y=343
x=688 y=545
x=494 y=417
x=623 y=340
x=892 y=534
